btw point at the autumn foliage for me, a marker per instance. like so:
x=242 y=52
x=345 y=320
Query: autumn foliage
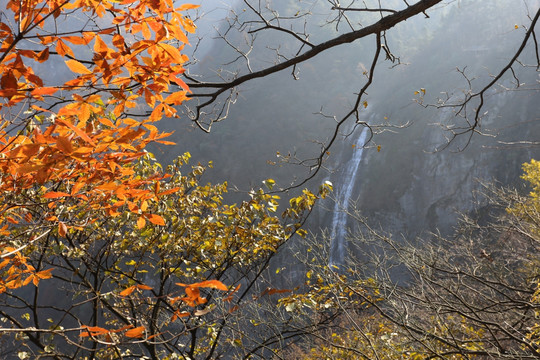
x=137 y=257
x=68 y=144
x=71 y=142
x=146 y=262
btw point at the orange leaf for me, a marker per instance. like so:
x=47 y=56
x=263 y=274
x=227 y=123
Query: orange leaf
x=176 y=98
x=62 y=229
x=29 y=279
x=144 y=205
x=45 y=274
x=187 y=7
x=143 y=287
x=137 y=332
x=11 y=220
x=94 y=331
x=75 y=189
x=230 y=296
x=181 y=83
x=107 y=31
x=213 y=284
x=170 y=191
x=55 y=194
x=4 y=263
x=9 y=81
x=155 y=219
x=146 y=31
x=127 y=291
x=25 y=22
x=122 y=328
x=177 y=314
x=62 y=49
x=43 y=91
x=37 y=108
x=75 y=82
x=45 y=40
x=43 y=55
x=14 y=284
x=79 y=132
x=99 y=46
x=141 y=222
x=157 y=113
x=173 y=52
x=64 y=145
x=272 y=291
x=106 y=122
x=153 y=336
x=108 y=186
x=77 y=67
x=77 y=40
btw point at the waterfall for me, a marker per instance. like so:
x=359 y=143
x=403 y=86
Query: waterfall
x=343 y=195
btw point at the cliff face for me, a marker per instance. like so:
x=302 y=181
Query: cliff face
x=406 y=188
x=414 y=185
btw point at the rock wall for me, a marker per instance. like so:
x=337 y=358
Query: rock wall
x=409 y=189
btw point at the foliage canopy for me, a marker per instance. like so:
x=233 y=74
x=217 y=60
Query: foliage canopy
x=146 y=262
x=138 y=251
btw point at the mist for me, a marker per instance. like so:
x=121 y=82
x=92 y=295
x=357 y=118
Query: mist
x=409 y=181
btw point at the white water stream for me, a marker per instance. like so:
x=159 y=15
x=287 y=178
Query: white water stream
x=343 y=195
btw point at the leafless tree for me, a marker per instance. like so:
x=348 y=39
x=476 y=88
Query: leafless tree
x=250 y=25
x=464 y=297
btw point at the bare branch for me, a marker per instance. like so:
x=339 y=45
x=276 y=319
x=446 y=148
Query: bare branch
x=363 y=9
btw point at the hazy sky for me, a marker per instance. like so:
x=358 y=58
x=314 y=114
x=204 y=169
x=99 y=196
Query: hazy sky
x=211 y=13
